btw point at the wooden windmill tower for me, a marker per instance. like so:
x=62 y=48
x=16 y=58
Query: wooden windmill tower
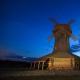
x=62 y=33
x=61 y=57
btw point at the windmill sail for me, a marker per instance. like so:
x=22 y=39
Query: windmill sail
x=74 y=37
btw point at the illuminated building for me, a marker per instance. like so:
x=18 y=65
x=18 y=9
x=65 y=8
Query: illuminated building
x=61 y=58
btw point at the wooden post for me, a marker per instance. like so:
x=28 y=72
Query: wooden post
x=71 y=63
x=42 y=65
x=78 y=66
x=34 y=65
x=38 y=65
x=31 y=66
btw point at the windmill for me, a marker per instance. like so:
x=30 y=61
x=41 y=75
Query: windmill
x=53 y=21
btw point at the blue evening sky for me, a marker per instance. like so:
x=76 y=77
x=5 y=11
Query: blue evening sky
x=25 y=27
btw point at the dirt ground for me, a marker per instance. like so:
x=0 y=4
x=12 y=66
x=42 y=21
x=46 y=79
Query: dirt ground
x=42 y=78
x=39 y=75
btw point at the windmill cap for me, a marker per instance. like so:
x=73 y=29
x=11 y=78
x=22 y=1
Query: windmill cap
x=63 y=26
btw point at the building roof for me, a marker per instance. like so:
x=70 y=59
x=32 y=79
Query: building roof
x=59 y=55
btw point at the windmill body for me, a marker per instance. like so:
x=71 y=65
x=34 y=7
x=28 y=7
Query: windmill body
x=61 y=56
x=62 y=33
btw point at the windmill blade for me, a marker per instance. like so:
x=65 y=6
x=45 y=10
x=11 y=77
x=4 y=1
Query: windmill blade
x=74 y=37
x=53 y=20
x=71 y=21
x=79 y=34
x=79 y=41
x=50 y=37
x=79 y=38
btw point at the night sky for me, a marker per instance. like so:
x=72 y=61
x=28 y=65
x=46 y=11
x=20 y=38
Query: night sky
x=25 y=24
